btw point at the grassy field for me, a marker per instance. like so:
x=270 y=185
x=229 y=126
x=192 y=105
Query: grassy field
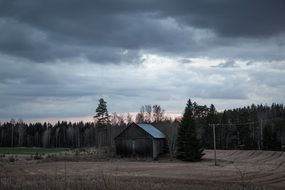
x=236 y=170
x=30 y=150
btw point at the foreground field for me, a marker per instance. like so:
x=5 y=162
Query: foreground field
x=236 y=170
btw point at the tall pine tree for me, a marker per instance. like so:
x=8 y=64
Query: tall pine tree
x=103 y=124
x=189 y=147
x=102 y=115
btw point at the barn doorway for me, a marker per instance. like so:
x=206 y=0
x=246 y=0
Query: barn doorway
x=134 y=147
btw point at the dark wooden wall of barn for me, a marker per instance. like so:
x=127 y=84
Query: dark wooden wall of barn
x=134 y=141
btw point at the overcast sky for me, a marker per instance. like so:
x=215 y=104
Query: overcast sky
x=58 y=57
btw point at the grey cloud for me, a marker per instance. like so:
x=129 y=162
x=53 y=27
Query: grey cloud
x=69 y=36
x=225 y=92
x=23 y=41
x=237 y=18
x=233 y=18
x=73 y=90
x=269 y=77
x=45 y=31
x=249 y=63
x=185 y=61
x=227 y=64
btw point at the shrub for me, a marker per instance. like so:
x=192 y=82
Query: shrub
x=37 y=156
x=12 y=159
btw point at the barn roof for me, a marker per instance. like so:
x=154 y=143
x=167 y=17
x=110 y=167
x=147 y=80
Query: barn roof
x=154 y=132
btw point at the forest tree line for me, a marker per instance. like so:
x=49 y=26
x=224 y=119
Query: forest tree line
x=252 y=127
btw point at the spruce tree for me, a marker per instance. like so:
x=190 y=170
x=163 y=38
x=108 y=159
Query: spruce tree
x=189 y=147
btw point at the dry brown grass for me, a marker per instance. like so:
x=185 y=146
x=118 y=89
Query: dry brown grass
x=237 y=170
x=106 y=182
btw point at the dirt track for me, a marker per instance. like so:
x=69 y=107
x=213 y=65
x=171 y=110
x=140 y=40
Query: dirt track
x=254 y=167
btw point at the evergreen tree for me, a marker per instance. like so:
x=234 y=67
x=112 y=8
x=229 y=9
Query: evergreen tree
x=189 y=146
x=211 y=118
x=102 y=115
x=103 y=124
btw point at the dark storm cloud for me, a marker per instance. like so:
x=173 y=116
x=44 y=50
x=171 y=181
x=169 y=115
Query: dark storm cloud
x=22 y=41
x=233 y=18
x=135 y=52
x=101 y=30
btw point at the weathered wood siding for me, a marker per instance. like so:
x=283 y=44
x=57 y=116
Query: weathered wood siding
x=158 y=147
x=134 y=141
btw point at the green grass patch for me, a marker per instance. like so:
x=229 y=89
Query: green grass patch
x=30 y=151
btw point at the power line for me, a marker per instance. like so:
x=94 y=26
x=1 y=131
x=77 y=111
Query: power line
x=239 y=124
x=249 y=122
x=230 y=124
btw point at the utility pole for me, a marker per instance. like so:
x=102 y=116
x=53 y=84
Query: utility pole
x=238 y=143
x=253 y=133
x=214 y=139
x=12 y=136
x=12 y=131
x=261 y=134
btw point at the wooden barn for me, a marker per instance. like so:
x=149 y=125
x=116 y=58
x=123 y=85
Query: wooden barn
x=142 y=140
